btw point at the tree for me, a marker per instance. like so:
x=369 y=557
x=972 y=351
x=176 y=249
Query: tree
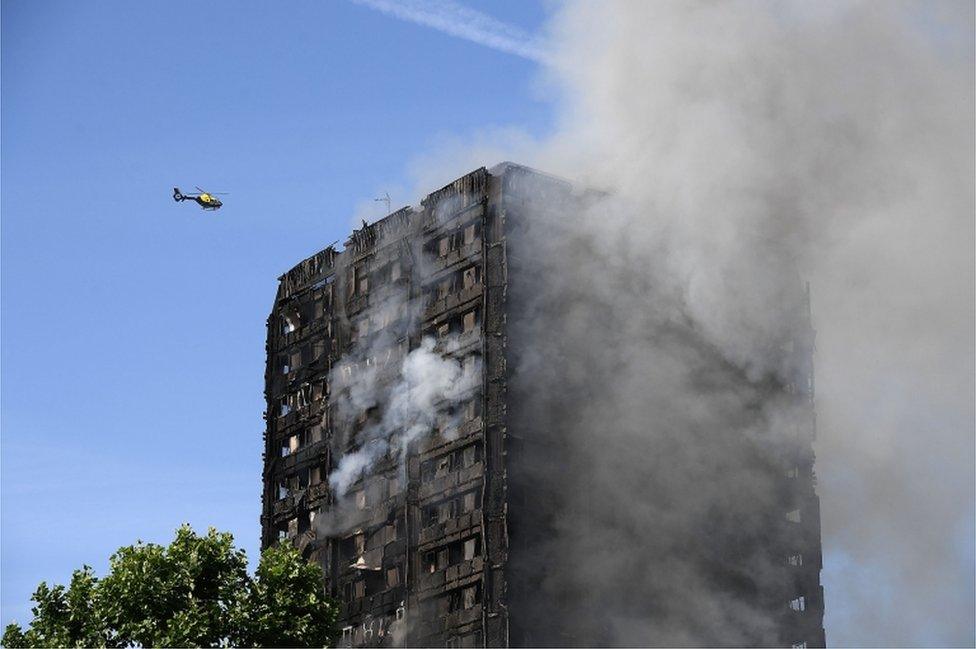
x=285 y=605
x=193 y=593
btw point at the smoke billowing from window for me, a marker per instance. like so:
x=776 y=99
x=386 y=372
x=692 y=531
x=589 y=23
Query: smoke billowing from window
x=413 y=402
x=745 y=145
x=386 y=396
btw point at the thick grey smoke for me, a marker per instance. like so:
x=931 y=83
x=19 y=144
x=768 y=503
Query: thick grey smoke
x=673 y=433
x=741 y=142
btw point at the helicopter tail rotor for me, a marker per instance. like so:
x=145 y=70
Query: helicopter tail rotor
x=177 y=196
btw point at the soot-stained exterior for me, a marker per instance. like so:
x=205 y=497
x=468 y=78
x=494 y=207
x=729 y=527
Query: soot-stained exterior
x=434 y=539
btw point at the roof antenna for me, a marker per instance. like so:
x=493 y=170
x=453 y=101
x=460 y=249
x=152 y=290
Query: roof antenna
x=384 y=199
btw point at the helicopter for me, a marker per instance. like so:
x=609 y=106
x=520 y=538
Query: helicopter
x=206 y=200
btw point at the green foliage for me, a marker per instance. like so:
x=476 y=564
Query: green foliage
x=287 y=606
x=193 y=593
x=62 y=617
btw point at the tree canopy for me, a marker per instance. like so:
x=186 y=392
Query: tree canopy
x=195 y=592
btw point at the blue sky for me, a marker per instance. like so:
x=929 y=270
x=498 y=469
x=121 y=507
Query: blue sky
x=133 y=327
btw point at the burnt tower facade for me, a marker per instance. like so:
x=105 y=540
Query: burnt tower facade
x=403 y=455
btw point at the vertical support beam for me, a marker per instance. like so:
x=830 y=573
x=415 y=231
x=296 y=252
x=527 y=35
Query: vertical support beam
x=494 y=508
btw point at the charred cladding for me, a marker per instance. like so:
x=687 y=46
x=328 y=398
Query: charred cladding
x=400 y=455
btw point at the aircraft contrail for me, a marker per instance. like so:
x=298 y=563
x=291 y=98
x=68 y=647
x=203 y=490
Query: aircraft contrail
x=462 y=22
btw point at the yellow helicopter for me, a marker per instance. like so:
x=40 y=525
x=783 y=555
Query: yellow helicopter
x=206 y=200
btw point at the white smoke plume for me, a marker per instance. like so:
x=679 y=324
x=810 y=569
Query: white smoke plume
x=386 y=396
x=743 y=141
x=428 y=383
